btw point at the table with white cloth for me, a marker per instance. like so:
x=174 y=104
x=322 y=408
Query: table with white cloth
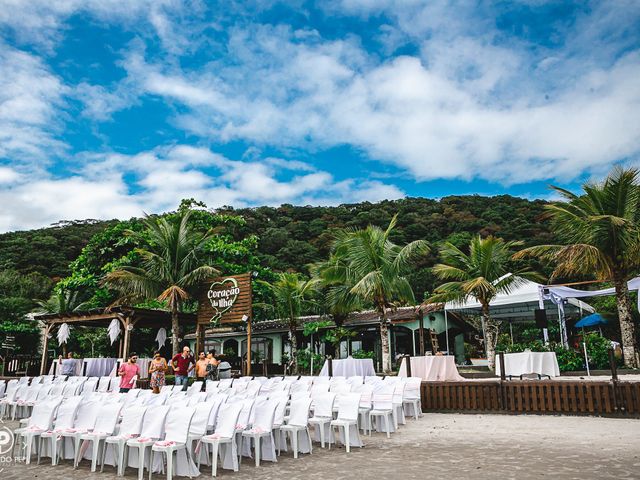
x=56 y=368
x=99 y=367
x=526 y=363
x=143 y=363
x=350 y=367
x=432 y=368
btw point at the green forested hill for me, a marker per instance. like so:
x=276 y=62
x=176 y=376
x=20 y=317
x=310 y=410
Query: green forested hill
x=291 y=237
x=288 y=238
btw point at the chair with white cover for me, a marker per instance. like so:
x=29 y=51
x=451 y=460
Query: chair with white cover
x=223 y=441
x=40 y=421
x=3 y=386
x=217 y=402
x=136 y=452
x=199 y=423
x=398 y=408
x=372 y=380
x=157 y=399
x=366 y=397
x=130 y=427
x=90 y=385
x=103 y=384
x=24 y=393
x=347 y=421
x=65 y=418
x=195 y=387
x=261 y=432
x=71 y=389
x=319 y=388
x=104 y=427
x=114 y=384
x=10 y=395
x=322 y=416
x=382 y=410
x=299 y=423
x=56 y=389
x=42 y=395
x=177 y=427
x=282 y=399
x=340 y=387
x=211 y=386
x=355 y=380
x=411 y=396
x=196 y=398
x=84 y=423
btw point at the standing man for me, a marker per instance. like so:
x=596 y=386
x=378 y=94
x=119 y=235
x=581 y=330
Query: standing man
x=182 y=364
x=129 y=372
x=67 y=365
x=201 y=367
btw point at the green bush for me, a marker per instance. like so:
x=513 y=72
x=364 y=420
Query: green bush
x=364 y=354
x=568 y=360
x=598 y=350
x=304 y=362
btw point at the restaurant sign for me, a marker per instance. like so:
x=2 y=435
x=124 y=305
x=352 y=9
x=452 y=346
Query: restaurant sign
x=225 y=300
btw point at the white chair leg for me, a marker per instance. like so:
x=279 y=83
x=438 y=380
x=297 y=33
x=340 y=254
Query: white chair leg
x=54 y=448
x=239 y=452
x=94 y=456
x=257 y=446
x=214 y=459
x=310 y=442
x=347 y=437
x=294 y=443
x=141 y=452
x=386 y=423
x=169 y=466
x=321 y=427
x=27 y=448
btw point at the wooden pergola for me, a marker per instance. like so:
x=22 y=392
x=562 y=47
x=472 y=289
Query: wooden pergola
x=129 y=318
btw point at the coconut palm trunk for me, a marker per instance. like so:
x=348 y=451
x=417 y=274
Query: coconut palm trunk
x=175 y=329
x=384 y=342
x=627 y=328
x=489 y=331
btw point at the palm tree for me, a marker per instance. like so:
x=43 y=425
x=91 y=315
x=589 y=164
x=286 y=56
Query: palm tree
x=291 y=295
x=373 y=266
x=61 y=301
x=482 y=273
x=171 y=266
x=601 y=232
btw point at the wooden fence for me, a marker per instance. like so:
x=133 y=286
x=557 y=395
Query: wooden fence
x=543 y=396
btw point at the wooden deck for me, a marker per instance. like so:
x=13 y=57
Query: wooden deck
x=570 y=397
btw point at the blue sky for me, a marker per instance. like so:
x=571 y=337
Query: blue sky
x=111 y=108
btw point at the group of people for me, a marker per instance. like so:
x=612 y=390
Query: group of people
x=206 y=368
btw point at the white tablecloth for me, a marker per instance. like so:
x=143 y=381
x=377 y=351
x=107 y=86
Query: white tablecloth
x=143 y=363
x=350 y=367
x=99 y=367
x=434 y=368
x=56 y=368
x=516 y=364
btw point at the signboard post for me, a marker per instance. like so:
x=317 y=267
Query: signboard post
x=224 y=301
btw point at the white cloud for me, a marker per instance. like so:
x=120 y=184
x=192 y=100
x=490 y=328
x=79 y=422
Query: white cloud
x=30 y=96
x=161 y=178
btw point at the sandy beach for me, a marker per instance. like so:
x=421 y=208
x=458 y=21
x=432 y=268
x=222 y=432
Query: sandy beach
x=444 y=446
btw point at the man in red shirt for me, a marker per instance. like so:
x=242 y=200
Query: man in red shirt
x=182 y=364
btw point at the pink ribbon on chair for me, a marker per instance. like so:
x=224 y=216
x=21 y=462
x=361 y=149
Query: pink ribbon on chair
x=35 y=428
x=143 y=440
x=165 y=443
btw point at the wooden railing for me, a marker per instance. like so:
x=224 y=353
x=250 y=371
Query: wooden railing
x=537 y=396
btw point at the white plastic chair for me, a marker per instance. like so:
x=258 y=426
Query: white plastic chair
x=298 y=423
x=84 y=423
x=104 y=383
x=65 y=418
x=411 y=396
x=262 y=432
x=130 y=427
x=224 y=436
x=104 y=428
x=348 y=420
x=382 y=410
x=322 y=415
x=152 y=430
x=176 y=434
x=196 y=387
x=199 y=423
x=40 y=421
